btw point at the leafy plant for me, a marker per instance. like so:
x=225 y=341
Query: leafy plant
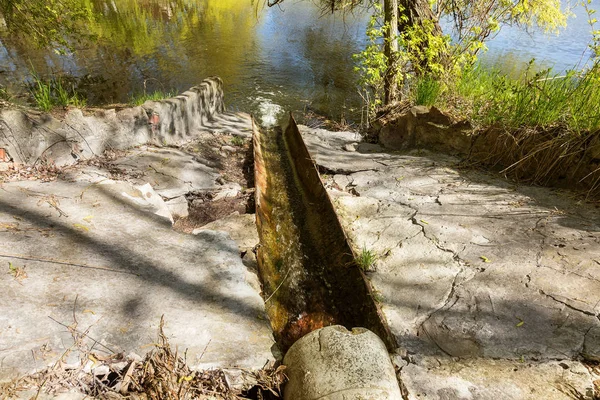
x=366 y=259
x=50 y=93
x=42 y=93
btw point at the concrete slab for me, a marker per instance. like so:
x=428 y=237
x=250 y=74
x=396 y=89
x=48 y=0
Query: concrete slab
x=171 y=172
x=96 y=258
x=470 y=265
x=486 y=379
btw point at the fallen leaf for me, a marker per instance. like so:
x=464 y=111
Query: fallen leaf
x=485 y=259
x=18 y=273
x=185 y=378
x=425 y=222
x=81 y=227
x=520 y=324
x=93 y=359
x=89 y=312
x=89 y=218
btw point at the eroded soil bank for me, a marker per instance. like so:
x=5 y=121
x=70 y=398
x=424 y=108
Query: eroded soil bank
x=552 y=157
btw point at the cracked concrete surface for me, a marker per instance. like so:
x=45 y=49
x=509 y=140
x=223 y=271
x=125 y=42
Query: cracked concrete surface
x=95 y=252
x=472 y=269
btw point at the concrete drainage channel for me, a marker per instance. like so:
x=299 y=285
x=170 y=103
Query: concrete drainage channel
x=312 y=285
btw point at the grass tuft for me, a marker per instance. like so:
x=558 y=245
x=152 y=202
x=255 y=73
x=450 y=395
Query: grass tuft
x=139 y=99
x=427 y=91
x=48 y=94
x=366 y=259
x=541 y=99
x=544 y=125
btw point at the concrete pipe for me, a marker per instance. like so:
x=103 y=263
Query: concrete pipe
x=333 y=363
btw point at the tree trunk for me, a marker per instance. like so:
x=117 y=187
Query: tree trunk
x=416 y=12
x=390 y=51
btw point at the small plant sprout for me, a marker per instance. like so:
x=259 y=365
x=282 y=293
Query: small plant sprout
x=366 y=259
x=237 y=141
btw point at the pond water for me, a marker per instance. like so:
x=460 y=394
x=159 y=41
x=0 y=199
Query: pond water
x=290 y=57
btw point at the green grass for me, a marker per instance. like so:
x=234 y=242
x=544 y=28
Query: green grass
x=51 y=93
x=42 y=93
x=545 y=121
x=427 y=91
x=141 y=98
x=5 y=94
x=237 y=141
x=543 y=99
x=366 y=259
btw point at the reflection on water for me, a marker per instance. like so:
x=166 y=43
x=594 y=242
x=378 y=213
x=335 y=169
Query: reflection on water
x=289 y=58
x=293 y=57
x=567 y=50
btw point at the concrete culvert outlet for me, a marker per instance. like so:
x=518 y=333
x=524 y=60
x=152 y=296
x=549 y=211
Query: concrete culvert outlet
x=333 y=363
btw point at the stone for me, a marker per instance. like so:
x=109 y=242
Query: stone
x=425 y=127
x=145 y=194
x=228 y=190
x=28 y=136
x=351 y=147
x=333 y=363
x=228 y=149
x=178 y=207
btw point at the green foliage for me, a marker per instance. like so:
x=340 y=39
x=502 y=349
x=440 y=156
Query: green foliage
x=237 y=141
x=372 y=63
x=5 y=94
x=592 y=21
x=51 y=93
x=42 y=93
x=366 y=259
x=541 y=99
x=46 y=22
x=424 y=52
x=427 y=91
x=141 y=98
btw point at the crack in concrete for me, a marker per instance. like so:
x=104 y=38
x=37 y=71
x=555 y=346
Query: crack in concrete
x=171 y=176
x=540 y=265
x=435 y=241
x=592 y=314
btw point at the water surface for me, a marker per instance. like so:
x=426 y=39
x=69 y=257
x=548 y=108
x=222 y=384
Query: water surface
x=290 y=57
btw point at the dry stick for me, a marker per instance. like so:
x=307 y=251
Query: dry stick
x=275 y=291
x=54 y=261
x=83 y=333
x=74 y=307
